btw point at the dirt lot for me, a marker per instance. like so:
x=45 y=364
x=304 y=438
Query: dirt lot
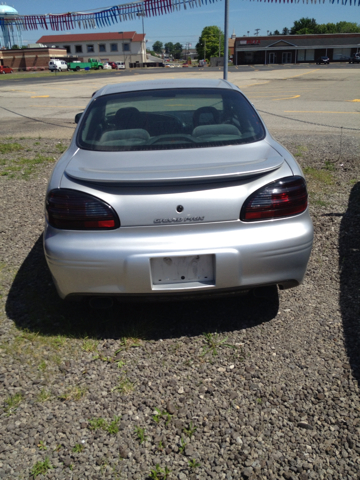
x=263 y=388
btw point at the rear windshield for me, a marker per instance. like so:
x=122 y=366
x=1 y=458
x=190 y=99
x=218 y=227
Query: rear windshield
x=169 y=119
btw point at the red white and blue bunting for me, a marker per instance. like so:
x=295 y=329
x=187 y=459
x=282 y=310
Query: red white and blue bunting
x=102 y=18
x=121 y=13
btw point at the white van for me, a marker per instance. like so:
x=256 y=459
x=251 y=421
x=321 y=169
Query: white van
x=120 y=65
x=57 y=65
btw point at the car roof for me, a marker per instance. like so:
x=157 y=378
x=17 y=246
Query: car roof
x=164 y=84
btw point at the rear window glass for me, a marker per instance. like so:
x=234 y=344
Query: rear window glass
x=169 y=119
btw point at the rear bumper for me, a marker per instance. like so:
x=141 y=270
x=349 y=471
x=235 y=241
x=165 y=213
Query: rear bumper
x=119 y=262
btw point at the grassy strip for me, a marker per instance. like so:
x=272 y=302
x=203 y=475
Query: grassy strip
x=17 y=76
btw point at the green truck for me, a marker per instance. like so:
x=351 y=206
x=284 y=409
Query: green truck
x=91 y=64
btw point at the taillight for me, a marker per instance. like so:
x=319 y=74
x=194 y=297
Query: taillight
x=73 y=210
x=283 y=198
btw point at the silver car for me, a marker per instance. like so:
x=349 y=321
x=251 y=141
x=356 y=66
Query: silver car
x=175 y=187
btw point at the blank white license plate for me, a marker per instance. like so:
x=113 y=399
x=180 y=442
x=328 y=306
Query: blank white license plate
x=193 y=268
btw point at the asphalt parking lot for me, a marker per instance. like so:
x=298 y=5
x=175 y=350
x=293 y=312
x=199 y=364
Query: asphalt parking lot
x=310 y=98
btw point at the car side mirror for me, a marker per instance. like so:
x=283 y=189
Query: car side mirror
x=78 y=116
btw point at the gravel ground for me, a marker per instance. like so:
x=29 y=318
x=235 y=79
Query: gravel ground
x=241 y=387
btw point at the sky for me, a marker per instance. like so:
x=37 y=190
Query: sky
x=186 y=26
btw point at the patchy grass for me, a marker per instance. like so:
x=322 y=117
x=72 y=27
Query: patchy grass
x=214 y=342
x=78 y=448
x=23 y=167
x=41 y=468
x=300 y=150
x=124 y=385
x=329 y=166
x=140 y=433
x=60 y=147
x=318 y=182
x=159 y=473
x=100 y=423
x=74 y=392
x=44 y=396
x=37 y=346
x=20 y=158
x=318 y=175
x=12 y=403
x=89 y=345
x=10 y=147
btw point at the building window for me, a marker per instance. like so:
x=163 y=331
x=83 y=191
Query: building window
x=68 y=48
x=114 y=47
x=301 y=55
x=126 y=47
x=102 y=47
x=305 y=55
x=78 y=48
x=90 y=48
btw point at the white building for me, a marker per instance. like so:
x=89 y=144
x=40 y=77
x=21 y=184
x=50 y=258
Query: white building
x=128 y=47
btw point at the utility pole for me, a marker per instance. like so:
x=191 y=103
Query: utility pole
x=143 y=45
x=219 y=42
x=226 y=39
x=122 y=46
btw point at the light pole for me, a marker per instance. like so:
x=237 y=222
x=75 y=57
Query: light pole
x=122 y=45
x=226 y=38
x=142 y=15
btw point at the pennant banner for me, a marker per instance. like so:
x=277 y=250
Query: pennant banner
x=102 y=18
x=122 y=13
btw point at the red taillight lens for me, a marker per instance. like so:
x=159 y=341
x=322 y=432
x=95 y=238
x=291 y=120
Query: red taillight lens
x=284 y=198
x=73 y=210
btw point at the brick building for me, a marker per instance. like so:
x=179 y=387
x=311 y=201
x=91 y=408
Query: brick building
x=282 y=49
x=128 y=47
x=28 y=59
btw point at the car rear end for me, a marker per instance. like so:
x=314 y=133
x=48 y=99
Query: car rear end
x=163 y=201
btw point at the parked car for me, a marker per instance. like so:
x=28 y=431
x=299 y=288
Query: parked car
x=107 y=66
x=120 y=65
x=56 y=65
x=113 y=64
x=325 y=60
x=355 y=58
x=185 y=65
x=5 y=69
x=170 y=65
x=174 y=187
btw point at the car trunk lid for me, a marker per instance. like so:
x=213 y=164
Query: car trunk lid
x=183 y=188
x=212 y=164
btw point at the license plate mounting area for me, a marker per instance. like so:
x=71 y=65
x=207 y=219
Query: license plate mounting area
x=169 y=270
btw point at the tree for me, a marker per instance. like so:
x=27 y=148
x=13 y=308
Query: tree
x=285 y=31
x=308 y=23
x=158 y=47
x=177 y=50
x=347 y=27
x=307 y=26
x=210 y=35
x=15 y=47
x=169 y=48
